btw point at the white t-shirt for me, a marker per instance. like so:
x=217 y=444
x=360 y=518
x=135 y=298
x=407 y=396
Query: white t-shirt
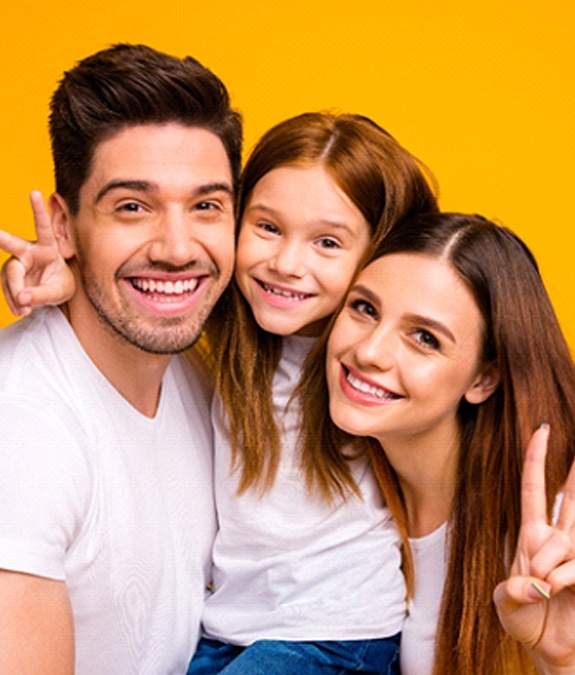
x=420 y=628
x=118 y=505
x=289 y=566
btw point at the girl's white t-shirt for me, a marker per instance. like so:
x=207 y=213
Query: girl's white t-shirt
x=289 y=566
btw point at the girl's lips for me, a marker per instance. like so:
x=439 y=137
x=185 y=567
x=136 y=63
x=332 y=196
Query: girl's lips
x=363 y=390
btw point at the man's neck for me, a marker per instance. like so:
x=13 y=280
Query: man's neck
x=134 y=373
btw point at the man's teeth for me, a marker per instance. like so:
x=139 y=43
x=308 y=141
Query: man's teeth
x=292 y=295
x=365 y=388
x=167 y=287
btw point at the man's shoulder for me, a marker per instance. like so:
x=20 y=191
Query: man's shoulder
x=37 y=354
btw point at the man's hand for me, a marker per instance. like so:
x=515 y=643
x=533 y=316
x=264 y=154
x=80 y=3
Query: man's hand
x=36 y=274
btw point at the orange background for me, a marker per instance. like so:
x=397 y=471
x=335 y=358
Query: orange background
x=483 y=92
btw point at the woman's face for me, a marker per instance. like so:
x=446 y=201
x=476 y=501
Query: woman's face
x=405 y=350
x=300 y=241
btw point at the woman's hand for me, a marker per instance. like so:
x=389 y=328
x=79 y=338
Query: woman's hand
x=36 y=274
x=536 y=605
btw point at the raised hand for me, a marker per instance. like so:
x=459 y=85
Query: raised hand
x=36 y=274
x=536 y=604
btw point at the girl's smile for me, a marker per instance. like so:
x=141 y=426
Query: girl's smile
x=300 y=242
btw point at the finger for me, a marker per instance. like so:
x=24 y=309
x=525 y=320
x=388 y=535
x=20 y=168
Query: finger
x=37 y=296
x=533 y=498
x=13 y=245
x=520 y=590
x=566 y=518
x=562 y=577
x=556 y=549
x=42 y=221
x=13 y=274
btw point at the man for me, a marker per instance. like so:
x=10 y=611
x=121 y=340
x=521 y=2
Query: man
x=106 y=514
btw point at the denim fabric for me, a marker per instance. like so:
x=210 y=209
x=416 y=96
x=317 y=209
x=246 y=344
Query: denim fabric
x=278 y=657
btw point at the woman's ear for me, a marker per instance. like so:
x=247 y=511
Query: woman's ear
x=483 y=386
x=61 y=225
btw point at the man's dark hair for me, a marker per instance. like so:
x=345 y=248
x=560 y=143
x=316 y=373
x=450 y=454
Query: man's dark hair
x=129 y=85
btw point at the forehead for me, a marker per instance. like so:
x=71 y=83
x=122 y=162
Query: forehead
x=161 y=153
x=420 y=284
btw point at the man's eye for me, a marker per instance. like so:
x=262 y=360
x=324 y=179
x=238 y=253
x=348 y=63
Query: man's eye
x=206 y=206
x=130 y=207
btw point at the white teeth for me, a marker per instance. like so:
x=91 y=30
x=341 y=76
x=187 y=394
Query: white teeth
x=166 y=287
x=272 y=290
x=365 y=388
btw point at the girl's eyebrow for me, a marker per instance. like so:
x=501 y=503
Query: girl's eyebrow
x=326 y=222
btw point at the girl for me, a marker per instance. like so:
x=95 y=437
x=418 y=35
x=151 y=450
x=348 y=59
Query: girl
x=306 y=562
x=305 y=551
x=447 y=354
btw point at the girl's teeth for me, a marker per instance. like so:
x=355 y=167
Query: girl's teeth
x=284 y=294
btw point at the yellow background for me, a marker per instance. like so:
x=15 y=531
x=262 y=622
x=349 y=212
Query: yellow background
x=481 y=91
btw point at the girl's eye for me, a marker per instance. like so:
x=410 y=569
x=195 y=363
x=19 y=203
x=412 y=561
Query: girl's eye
x=268 y=227
x=364 y=308
x=426 y=339
x=328 y=243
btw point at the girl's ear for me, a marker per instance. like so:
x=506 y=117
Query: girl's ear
x=483 y=386
x=62 y=226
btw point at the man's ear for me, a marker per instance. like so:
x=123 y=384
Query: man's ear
x=61 y=225
x=483 y=386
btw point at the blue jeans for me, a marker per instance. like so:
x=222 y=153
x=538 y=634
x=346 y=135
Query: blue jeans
x=278 y=657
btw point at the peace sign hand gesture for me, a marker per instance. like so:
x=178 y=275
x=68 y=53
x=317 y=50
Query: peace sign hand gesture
x=536 y=604
x=36 y=274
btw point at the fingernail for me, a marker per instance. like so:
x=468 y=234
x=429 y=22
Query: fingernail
x=542 y=592
x=544 y=426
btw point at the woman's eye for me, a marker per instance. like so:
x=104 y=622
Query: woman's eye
x=363 y=307
x=426 y=339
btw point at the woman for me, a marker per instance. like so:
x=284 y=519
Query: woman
x=447 y=355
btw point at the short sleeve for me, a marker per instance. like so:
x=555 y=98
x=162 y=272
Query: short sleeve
x=45 y=485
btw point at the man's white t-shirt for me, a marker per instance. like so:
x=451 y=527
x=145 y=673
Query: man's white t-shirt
x=118 y=505
x=289 y=566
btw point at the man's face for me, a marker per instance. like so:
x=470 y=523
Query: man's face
x=153 y=239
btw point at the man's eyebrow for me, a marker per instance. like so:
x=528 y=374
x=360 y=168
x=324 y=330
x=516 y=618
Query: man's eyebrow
x=140 y=185
x=145 y=186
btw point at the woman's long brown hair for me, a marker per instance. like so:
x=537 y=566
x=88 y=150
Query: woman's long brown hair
x=524 y=342
x=386 y=183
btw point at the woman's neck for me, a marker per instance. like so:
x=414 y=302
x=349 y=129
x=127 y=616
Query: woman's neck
x=426 y=470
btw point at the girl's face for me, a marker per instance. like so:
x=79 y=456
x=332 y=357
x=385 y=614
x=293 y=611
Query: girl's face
x=301 y=239
x=405 y=351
